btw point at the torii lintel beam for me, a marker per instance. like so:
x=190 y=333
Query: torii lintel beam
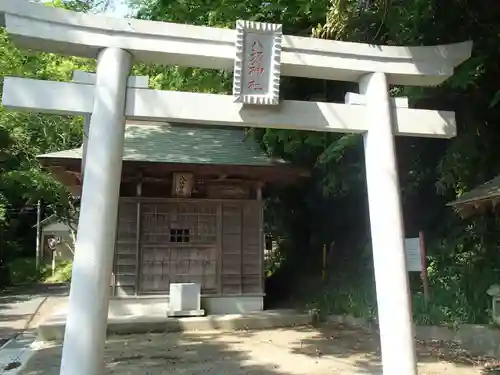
x=213 y=109
x=49 y=29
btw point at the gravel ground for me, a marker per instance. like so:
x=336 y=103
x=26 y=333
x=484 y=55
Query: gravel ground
x=330 y=349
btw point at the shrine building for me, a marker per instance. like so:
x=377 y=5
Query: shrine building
x=190 y=211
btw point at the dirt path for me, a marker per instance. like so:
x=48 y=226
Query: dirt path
x=20 y=308
x=332 y=349
x=16 y=312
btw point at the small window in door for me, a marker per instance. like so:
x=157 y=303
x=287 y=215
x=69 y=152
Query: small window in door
x=179 y=235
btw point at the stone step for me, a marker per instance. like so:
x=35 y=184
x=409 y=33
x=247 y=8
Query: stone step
x=53 y=328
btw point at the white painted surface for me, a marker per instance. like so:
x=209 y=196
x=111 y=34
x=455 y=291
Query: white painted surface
x=89 y=293
x=46 y=95
x=60 y=31
x=391 y=278
x=257 y=63
x=136 y=82
x=358 y=99
x=232 y=304
x=85 y=141
x=413 y=254
x=158 y=306
x=213 y=109
x=121 y=307
x=83 y=77
x=184 y=297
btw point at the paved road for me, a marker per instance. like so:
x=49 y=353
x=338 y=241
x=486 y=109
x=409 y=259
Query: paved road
x=19 y=305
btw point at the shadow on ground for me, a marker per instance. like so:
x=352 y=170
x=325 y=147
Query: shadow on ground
x=329 y=349
x=5 y=301
x=362 y=348
x=18 y=306
x=156 y=354
x=25 y=291
x=13 y=317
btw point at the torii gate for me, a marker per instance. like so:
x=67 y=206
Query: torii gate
x=117 y=42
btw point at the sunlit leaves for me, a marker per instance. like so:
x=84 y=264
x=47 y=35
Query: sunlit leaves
x=186 y=79
x=25 y=135
x=338 y=148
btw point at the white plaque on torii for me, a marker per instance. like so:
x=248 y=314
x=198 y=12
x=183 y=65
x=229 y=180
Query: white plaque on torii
x=257 y=63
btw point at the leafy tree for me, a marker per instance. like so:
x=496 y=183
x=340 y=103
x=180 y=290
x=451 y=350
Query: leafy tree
x=23 y=136
x=81 y=5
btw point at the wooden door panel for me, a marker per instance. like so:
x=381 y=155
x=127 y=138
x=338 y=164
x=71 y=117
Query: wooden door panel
x=179 y=244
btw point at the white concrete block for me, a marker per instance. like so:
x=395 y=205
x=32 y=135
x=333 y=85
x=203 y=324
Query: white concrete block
x=185 y=300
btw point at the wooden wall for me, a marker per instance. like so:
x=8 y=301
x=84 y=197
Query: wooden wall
x=126 y=258
x=242 y=252
x=217 y=243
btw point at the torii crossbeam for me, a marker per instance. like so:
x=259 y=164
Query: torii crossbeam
x=109 y=98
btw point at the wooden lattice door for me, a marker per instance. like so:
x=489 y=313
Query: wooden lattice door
x=178 y=244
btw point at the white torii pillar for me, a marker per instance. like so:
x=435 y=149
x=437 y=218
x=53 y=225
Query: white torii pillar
x=93 y=261
x=387 y=231
x=372 y=114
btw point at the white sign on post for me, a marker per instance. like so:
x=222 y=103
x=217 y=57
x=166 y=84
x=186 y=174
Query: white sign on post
x=413 y=254
x=257 y=63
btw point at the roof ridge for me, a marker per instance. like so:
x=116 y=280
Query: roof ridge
x=185 y=144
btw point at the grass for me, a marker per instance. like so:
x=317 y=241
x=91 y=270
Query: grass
x=357 y=297
x=23 y=272
x=62 y=273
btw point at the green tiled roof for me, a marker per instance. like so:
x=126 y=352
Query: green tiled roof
x=186 y=144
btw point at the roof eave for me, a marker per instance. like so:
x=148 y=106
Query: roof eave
x=285 y=173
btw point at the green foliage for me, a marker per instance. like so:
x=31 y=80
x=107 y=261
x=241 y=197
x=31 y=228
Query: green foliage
x=22 y=271
x=62 y=273
x=298 y=16
x=457 y=295
x=80 y=5
x=23 y=136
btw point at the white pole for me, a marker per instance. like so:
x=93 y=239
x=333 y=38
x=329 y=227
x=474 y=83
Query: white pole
x=89 y=294
x=78 y=78
x=387 y=231
x=38 y=235
x=86 y=132
x=53 y=264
